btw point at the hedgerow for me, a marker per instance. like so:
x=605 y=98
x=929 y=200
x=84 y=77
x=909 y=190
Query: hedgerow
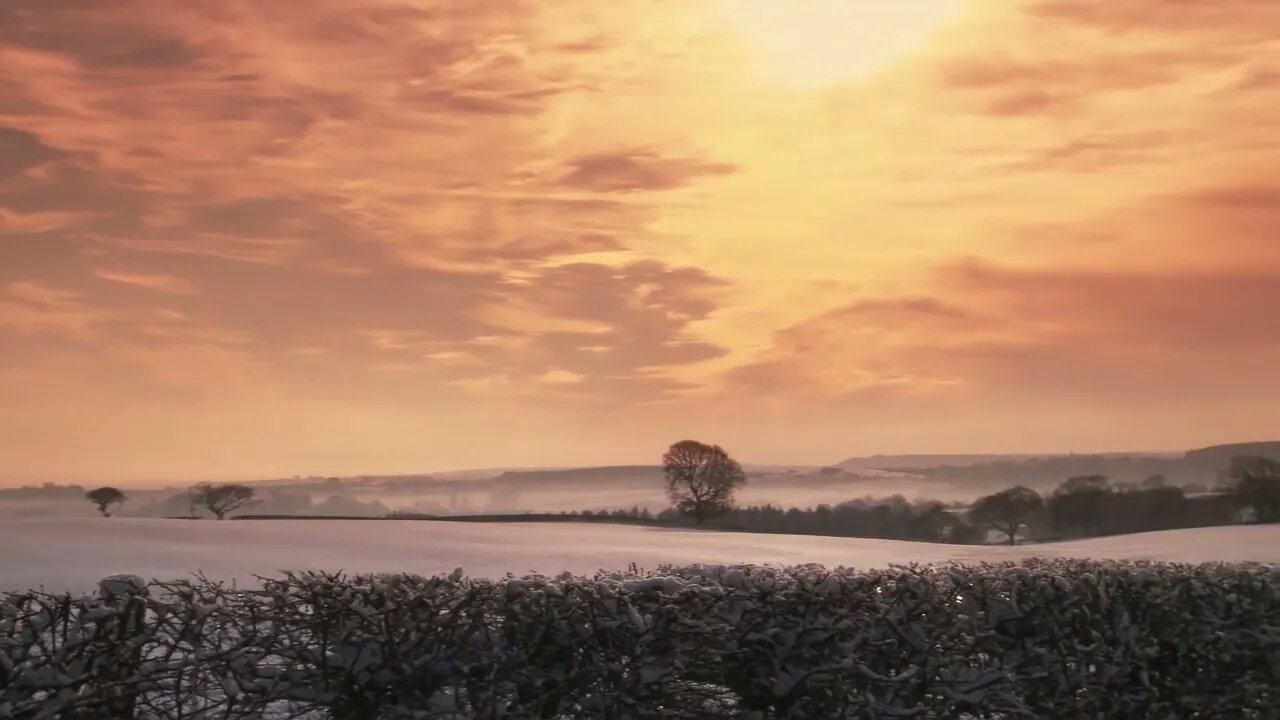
x=1042 y=639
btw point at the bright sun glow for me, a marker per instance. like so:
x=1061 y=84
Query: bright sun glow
x=817 y=43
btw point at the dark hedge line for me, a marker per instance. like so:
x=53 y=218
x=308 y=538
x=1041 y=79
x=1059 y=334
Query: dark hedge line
x=1044 y=639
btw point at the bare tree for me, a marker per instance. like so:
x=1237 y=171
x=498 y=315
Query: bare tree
x=222 y=499
x=701 y=478
x=1008 y=510
x=106 y=498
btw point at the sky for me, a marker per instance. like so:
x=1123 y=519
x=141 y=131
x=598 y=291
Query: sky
x=248 y=239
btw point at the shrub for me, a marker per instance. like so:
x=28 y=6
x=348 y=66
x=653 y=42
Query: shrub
x=1041 y=639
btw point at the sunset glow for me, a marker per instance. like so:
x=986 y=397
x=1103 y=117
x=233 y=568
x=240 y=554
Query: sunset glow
x=244 y=239
x=817 y=43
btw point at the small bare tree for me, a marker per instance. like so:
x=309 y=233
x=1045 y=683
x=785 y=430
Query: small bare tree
x=106 y=498
x=701 y=479
x=222 y=499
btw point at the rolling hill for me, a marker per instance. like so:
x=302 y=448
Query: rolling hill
x=73 y=554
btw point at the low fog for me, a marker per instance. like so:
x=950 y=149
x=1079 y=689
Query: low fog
x=511 y=492
x=951 y=479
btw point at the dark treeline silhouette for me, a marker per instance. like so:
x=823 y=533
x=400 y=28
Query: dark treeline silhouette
x=635 y=515
x=47 y=491
x=893 y=518
x=1008 y=511
x=1073 y=511
x=1257 y=486
x=1082 y=506
x=1089 y=506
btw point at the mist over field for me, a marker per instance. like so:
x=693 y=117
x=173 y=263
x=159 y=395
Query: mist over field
x=513 y=491
x=955 y=479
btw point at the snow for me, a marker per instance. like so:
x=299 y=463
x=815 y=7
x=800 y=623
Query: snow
x=74 y=554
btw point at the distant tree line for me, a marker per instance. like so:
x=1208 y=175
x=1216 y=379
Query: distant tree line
x=47 y=491
x=218 y=500
x=700 y=480
x=634 y=513
x=1090 y=506
x=269 y=502
x=893 y=518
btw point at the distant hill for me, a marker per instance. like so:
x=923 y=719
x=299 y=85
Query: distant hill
x=780 y=469
x=1219 y=456
x=589 y=476
x=901 y=463
x=1202 y=467
x=623 y=474
x=997 y=470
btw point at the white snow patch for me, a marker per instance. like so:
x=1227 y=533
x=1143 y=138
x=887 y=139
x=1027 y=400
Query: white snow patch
x=74 y=554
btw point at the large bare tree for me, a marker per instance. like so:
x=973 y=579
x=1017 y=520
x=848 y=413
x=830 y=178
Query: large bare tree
x=701 y=479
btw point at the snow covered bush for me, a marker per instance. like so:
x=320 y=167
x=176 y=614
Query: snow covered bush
x=1033 y=640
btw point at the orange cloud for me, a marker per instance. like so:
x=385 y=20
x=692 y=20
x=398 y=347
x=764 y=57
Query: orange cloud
x=629 y=171
x=557 y=376
x=159 y=283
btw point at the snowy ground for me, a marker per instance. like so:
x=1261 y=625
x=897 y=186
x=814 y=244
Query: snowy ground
x=73 y=553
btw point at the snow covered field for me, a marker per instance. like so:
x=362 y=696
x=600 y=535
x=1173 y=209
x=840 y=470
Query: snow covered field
x=74 y=553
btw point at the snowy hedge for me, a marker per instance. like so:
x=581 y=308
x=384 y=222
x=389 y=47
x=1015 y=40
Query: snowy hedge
x=1063 y=639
